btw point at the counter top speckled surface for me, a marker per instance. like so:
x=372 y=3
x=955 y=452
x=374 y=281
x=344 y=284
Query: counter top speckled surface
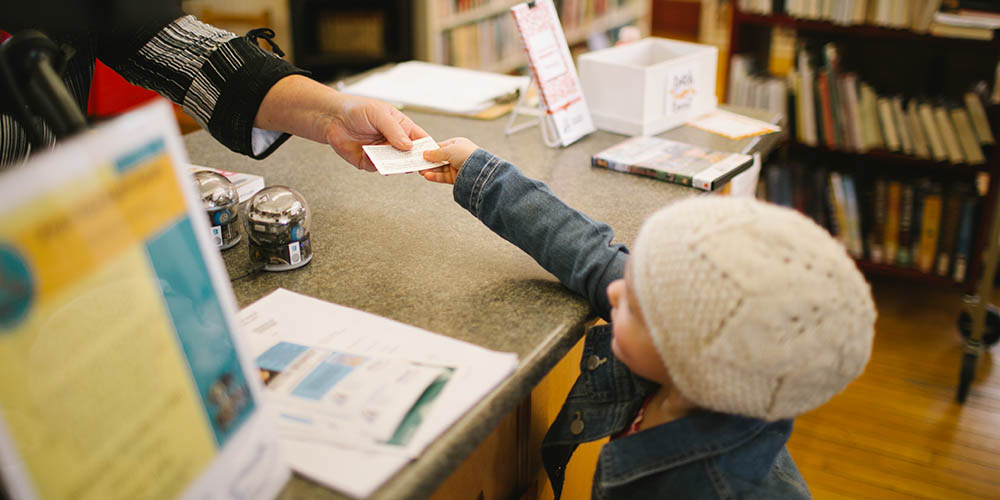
x=400 y=247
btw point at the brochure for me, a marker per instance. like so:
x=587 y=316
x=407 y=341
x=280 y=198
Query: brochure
x=120 y=376
x=359 y=395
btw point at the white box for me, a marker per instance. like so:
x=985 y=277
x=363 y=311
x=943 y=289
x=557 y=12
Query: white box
x=648 y=86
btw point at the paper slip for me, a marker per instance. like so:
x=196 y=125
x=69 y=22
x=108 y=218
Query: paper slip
x=732 y=125
x=389 y=160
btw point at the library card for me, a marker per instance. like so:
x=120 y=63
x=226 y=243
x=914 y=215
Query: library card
x=389 y=160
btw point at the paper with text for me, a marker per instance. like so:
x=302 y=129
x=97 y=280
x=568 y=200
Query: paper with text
x=334 y=443
x=389 y=160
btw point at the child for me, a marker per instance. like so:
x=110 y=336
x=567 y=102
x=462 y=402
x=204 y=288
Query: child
x=732 y=317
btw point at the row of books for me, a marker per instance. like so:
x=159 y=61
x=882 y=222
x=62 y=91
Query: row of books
x=751 y=88
x=483 y=44
x=837 y=109
x=571 y=12
x=916 y=15
x=575 y=13
x=911 y=223
x=493 y=42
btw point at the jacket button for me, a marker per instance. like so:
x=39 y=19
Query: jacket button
x=593 y=361
x=576 y=426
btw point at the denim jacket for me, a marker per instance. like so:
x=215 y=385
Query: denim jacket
x=702 y=455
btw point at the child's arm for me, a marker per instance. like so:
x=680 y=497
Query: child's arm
x=525 y=212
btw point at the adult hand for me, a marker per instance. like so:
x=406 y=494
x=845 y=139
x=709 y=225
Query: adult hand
x=364 y=121
x=306 y=108
x=454 y=151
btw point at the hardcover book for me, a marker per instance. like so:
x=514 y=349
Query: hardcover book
x=930 y=227
x=673 y=161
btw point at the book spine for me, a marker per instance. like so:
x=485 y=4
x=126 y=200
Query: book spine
x=905 y=140
x=888 y=124
x=938 y=151
x=978 y=115
x=876 y=236
x=892 y=221
x=948 y=135
x=829 y=128
x=833 y=78
x=967 y=137
x=964 y=243
x=807 y=100
x=853 y=217
x=920 y=146
x=919 y=195
x=838 y=200
x=905 y=240
x=951 y=213
x=929 y=227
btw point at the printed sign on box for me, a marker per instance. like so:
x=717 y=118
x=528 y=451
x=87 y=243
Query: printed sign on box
x=648 y=86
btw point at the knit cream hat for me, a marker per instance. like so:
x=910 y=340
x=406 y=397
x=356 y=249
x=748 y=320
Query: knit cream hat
x=754 y=308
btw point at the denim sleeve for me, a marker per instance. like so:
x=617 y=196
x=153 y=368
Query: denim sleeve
x=576 y=249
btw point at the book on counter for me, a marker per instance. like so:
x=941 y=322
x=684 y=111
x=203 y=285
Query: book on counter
x=673 y=161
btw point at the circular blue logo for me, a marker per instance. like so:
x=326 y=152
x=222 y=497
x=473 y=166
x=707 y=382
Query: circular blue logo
x=17 y=289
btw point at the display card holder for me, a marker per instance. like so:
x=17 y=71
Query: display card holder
x=564 y=117
x=550 y=135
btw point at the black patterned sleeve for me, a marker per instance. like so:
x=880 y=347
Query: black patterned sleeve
x=217 y=77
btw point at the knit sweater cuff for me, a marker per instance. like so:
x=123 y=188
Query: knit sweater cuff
x=241 y=95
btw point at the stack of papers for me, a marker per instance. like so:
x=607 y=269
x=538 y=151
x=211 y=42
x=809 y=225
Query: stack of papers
x=442 y=88
x=358 y=396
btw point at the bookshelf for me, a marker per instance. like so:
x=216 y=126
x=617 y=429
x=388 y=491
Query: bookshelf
x=896 y=62
x=334 y=39
x=480 y=34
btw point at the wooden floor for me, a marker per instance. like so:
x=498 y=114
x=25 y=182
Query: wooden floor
x=897 y=431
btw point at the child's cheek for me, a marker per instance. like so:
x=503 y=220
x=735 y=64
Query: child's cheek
x=614 y=346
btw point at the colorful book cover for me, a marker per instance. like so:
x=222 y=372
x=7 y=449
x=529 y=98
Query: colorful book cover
x=673 y=161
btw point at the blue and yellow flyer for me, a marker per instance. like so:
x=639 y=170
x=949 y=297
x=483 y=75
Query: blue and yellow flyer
x=120 y=375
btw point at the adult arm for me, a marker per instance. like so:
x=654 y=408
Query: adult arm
x=219 y=79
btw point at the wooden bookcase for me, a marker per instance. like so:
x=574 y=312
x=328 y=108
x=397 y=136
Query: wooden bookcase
x=337 y=38
x=481 y=32
x=899 y=62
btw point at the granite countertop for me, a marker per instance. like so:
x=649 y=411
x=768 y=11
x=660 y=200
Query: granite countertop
x=400 y=247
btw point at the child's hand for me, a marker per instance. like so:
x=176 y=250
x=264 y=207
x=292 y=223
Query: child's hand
x=454 y=151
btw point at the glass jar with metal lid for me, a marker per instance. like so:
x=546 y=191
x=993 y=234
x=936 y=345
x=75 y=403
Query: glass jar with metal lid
x=219 y=198
x=277 y=223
